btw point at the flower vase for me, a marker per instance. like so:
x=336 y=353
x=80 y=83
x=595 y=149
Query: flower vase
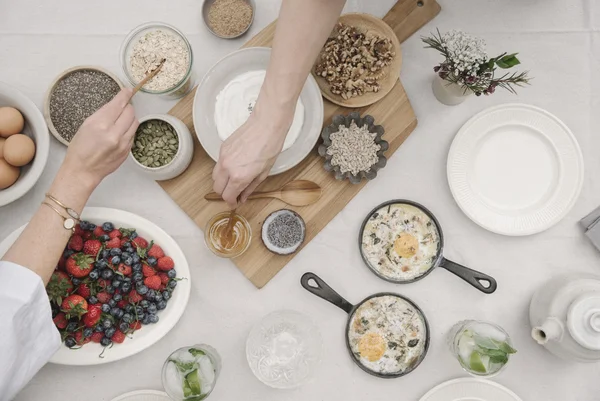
x=449 y=93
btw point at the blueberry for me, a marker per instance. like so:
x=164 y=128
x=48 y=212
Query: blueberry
x=129 y=308
x=112 y=303
x=118 y=297
x=70 y=342
x=115 y=260
x=158 y=297
x=106 y=308
x=124 y=327
x=76 y=281
x=87 y=332
x=108 y=226
x=120 y=314
x=161 y=305
x=107 y=323
x=172 y=273
x=150 y=295
x=133 y=235
x=84 y=225
x=151 y=261
x=99 y=328
x=104 y=238
x=101 y=264
x=110 y=332
x=146 y=319
x=91 y=226
x=105 y=342
x=114 y=311
x=107 y=274
x=144 y=304
x=138 y=277
x=130 y=249
x=127 y=318
x=153 y=318
x=136 y=258
x=142 y=289
x=127 y=280
x=172 y=283
x=140 y=316
x=54 y=309
x=71 y=327
x=152 y=308
x=94 y=274
x=139 y=310
x=126 y=244
x=116 y=283
x=128 y=261
x=92 y=300
x=136 y=267
x=166 y=295
x=105 y=253
x=126 y=287
x=110 y=289
x=115 y=252
x=68 y=253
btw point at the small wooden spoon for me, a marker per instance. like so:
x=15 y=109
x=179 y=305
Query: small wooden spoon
x=148 y=77
x=229 y=229
x=294 y=193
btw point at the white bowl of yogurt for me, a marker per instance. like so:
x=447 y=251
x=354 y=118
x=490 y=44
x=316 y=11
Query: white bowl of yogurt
x=226 y=96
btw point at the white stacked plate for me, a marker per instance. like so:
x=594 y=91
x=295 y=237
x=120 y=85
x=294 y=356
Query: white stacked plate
x=470 y=389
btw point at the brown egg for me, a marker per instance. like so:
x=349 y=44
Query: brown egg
x=19 y=150
x=11 y=121
x=8 y=174
x=2 y=140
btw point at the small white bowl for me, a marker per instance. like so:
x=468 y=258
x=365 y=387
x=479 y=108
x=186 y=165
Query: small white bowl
x=182 y=158
x=35 y=128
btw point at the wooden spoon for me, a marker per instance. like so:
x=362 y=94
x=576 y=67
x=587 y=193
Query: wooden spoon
x=148 y=77
x=294 y=193
x=229 y=229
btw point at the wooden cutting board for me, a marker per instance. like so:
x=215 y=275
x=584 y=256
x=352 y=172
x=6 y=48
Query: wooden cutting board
x=393 y=112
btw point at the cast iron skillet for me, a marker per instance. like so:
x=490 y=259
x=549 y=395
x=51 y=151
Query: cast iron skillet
x=322 y=290
x=481 y=281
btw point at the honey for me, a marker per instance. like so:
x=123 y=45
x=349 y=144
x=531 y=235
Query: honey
x=223 y=245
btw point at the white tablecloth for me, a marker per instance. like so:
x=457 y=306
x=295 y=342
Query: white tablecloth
x=558 y=40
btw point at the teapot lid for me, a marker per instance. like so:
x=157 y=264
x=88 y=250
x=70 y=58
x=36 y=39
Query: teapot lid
x=583 y=320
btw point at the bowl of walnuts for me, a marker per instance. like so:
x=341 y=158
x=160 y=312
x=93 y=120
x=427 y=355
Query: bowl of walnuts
x=360 y=62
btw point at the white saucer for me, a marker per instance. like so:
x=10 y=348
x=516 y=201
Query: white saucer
x=515 y=169
x=143 y=395
x=470 y=389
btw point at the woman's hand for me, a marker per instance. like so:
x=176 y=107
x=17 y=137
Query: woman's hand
x=103 y=141
x=247 y=156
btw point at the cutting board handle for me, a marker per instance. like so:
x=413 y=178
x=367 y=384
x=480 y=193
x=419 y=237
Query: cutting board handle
x=408 y=16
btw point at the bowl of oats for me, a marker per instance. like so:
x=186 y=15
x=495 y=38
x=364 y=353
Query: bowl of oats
x=353 y=147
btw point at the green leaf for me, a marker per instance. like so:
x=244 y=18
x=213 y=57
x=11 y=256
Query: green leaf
x=499 y=359
x=508 y=61
x=504 y=346
x=196 y=352
x=183 y=366
x=485 y=342
x=194 y=382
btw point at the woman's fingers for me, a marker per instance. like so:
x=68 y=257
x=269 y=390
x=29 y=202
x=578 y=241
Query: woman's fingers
x=231 y=193
x=113 y=109
x=125 y=120
x=251 y=188
x=129 y=135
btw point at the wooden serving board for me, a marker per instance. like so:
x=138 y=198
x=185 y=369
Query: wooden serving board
x=393 y=112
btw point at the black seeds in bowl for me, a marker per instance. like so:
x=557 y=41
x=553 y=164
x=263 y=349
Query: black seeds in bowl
x=283 y=232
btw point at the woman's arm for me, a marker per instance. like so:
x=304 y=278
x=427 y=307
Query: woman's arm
x=99 y=148
x=248 y=155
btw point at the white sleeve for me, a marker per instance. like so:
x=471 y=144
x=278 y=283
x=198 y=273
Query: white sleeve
x=28 y=337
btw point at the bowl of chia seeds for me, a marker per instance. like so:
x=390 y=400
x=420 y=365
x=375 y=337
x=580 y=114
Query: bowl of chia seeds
x=162 y=147
x=283 y=232
x=76 y=94
x=353 y=147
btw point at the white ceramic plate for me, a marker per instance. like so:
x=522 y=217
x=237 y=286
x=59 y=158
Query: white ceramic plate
x=515 y=169
x=149 y=334
x=470 y=389
x=143 y=395
x=229 y=67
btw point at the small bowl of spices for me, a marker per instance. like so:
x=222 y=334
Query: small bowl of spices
x=228 y=245
x=144 y=48
x=162 y=147
x=353 y=148
x=228 y=19
x=76 y=94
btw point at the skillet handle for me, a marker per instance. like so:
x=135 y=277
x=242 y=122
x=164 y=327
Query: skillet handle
x=322 y=290
x=481 y=281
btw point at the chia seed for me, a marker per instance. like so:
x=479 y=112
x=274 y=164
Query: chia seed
x=76 y=97
x=284 y=232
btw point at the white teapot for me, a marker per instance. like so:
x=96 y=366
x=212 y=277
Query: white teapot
x=565 y=316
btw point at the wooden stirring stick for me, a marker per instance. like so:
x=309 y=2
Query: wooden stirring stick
x=229 y=228
x=148 y=77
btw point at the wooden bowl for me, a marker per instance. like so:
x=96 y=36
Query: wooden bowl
x=63 y=74
x=366 y=23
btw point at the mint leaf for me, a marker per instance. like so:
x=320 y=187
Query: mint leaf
x=484 y=342
x=183 y=366
x=504 y=346
x=196 y=352
x=499 y=359
x=508 y=61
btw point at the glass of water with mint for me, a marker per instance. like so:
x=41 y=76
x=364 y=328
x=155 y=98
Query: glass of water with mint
x=482 y=349
x=190 y=373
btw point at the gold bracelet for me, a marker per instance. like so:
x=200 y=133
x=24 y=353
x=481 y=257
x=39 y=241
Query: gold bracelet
x=68 y=222
x=69 y=211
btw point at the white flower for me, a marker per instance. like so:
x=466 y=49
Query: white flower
x=466 y=51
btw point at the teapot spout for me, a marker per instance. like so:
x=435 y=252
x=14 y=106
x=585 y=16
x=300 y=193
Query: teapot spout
x=551 y=329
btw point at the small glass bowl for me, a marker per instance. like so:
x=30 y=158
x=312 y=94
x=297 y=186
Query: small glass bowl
x=171 y=373
x=242 y=235
x=188 y=81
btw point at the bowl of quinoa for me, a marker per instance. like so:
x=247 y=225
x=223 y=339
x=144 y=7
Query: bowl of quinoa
x=353 y=147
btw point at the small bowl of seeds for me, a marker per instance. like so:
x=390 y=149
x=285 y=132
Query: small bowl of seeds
x=228 y=19
x=353 y=147
x=162 y=147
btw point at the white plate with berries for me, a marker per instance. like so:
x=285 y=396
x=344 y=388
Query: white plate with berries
x=120 y=286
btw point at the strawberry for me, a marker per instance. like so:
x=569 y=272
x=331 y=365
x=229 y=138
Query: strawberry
x=59 y=286
x=60 y=320
x=87 y=235
x=162 y=287
x=147 y=271
x=152 y=282
x=92 y=317
x=98 y=231
x=79 y=265
x=113 y=243
x=75 y=243
x=97 y=337
x=135 y=297
x=92 y=247
x=135 y=325
x=103 y=297
x=140 y=242
x=165 y=263
x=84 y=290
x=74 y=305
x=124 y=269
x=164 y=279
x=115 y=234
x=78 y=230
x=122 y=303
x=123 y=242
x=118 y=337
x=156 y=251
x=80 y=339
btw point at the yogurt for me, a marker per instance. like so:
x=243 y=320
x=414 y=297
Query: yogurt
x=236 y=102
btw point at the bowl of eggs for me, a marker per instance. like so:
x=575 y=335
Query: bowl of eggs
x=24 y=144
